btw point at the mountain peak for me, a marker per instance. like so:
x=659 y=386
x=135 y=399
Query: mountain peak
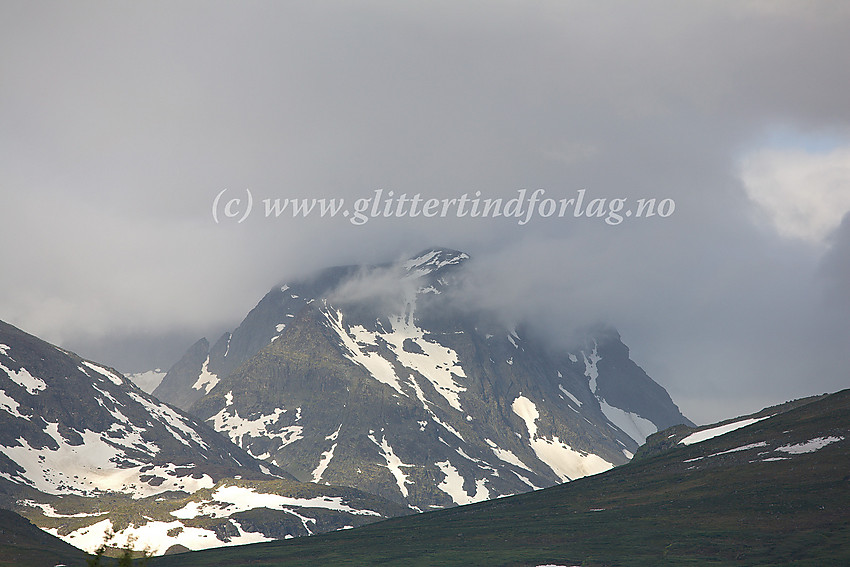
x=370 y=377
x=434 y=259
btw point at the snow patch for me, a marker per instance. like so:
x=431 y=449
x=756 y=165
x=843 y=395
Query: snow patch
x=506 y=455
x=324 y=461
x=25 y=380
x=436 y=362
x=431 y=262
x=10 y=405
x=635 y=426
x=176 y=424
x=560 y=457
x=446 y=426
x=377 y=366
x=228 y=422
x=809 y=446
x=230 y=499
x=590 y=369
x=326 y=457
x=114 y=378
x=207 y=380
x=154 y=536
x=527 y=481
x=394 y=464
x=527 y=411
x=92 y=467
x=741 y=448
x=452 y=485
x=713 y=432
x=335 y=435
x=572 y=397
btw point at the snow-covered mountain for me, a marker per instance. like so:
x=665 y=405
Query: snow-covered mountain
x=85 y=453
x=376 y=378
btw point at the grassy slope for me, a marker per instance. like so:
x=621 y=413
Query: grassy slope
x=655 y=511
x=24 y=545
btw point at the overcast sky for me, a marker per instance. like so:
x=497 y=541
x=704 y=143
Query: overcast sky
x=120 y=124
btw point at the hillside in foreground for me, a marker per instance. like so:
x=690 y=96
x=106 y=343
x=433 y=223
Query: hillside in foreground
x=775 y=491
x=22 y=544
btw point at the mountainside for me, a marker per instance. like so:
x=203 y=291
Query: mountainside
x=378 y=378
x=24 y=545
x=771 y=492
x=84 y=453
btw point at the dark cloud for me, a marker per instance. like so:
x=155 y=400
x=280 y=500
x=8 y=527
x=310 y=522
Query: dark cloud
x=120 y=124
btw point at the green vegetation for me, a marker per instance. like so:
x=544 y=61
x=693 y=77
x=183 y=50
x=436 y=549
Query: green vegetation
x=24 y=545
x=124 y=557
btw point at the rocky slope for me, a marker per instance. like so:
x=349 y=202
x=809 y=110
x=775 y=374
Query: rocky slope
x=91 y=458
x=375 y=377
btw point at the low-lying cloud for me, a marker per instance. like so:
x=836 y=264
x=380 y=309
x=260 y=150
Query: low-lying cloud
x=122 y=124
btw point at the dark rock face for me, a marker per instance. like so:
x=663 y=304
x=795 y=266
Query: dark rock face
x=91 y=457
x=372 y=377
x=72 y=426
x=181 y=388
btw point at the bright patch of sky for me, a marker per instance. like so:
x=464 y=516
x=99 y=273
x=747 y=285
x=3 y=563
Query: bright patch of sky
x=147 y=381
x=800 y=184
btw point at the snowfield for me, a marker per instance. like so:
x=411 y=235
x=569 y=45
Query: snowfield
x=560 y=457
x=713 y=432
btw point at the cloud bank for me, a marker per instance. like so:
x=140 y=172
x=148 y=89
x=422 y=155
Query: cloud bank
x=121 y=123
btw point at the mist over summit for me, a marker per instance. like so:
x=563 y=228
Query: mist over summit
x=385 y=379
